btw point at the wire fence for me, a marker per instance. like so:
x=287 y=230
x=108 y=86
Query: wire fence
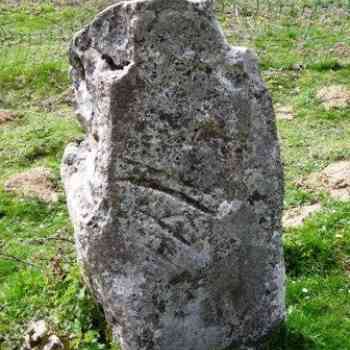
x=315 y=32
x=251 y=23
x=273 y=8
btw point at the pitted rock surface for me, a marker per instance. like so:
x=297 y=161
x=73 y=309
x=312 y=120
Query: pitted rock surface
x=176 y=191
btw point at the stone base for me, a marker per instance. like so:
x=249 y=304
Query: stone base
x=277 y=340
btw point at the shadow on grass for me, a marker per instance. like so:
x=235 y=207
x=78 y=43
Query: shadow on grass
x=289 y=339
x=282 y=339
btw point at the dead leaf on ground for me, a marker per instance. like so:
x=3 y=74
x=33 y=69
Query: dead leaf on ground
x=334 y=96
x=296 y=217
x=35 y=183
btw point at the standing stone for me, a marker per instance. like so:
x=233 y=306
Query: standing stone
x=176 y=191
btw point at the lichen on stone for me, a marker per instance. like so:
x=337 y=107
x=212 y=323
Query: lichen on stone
x=176 y=192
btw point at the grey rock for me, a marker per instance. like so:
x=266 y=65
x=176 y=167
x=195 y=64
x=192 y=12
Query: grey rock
x=54 y=343
x=36 y=334
x=176 y=191
x=38 y=337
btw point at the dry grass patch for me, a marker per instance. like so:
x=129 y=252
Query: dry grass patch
x=334 y=179
x=334 y=96
x=342 y=50
x=53 y=103
x=36 y=183
x=284 y=112
x=6 y=116
x=296 y=217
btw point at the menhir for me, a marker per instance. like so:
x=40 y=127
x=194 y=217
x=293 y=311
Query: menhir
x=176 y=191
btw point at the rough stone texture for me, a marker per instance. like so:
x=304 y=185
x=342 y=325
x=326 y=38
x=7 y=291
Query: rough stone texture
x=37 y=333
x=39 y=337
x=176 y=191
x=54 y=343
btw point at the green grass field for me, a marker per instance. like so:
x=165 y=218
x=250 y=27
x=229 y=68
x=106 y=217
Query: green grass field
x=296 y=44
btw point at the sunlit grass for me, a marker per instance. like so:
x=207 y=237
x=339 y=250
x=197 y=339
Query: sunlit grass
x=297 y=59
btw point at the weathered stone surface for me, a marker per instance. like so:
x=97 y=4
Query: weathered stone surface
x=39 y=337
x=54 y=343
x=176 y=191
x=36 y=334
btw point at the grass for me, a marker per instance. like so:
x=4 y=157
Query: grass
x=296 y=45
